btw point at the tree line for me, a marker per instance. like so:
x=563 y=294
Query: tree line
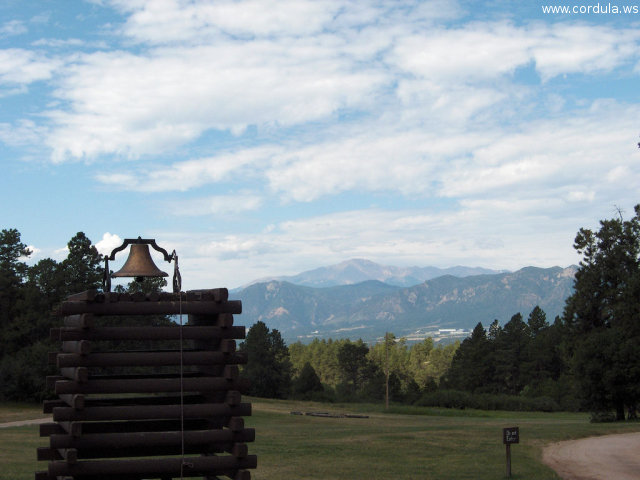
x=342 y=370
x=588 y=358
x=28 y=297
x=522 y=359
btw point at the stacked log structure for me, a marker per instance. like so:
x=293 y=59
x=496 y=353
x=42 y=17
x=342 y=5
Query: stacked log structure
x=152 y=413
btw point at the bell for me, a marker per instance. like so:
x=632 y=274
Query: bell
x=139 y=264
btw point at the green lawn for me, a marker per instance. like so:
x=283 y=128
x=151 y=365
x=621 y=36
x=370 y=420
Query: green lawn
x=410 y=443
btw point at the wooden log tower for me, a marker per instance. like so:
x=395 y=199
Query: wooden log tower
x=154 y=413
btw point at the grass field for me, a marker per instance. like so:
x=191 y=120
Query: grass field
x=403 y=443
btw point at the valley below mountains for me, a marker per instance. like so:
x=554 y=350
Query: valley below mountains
x=444 y=307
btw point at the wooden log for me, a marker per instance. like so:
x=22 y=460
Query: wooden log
x=72 y=428
x=78 y=374
x=235 y=424
x=43 y=476
x=239 y=450
x=192 y=466
x=51 y=381
x=81 y=347
x=149 y=439
x=46 y=453
x=54 y=334
x=145 y=412
x=224 y=320
x=150 y=308
x=156 y=451
x=155 y=399
x=215 y=294
x=233 y=398
x=150 y=385
x=79 y=321
x=149 y=359
x=91 y=295
x=73 y=401
x=70 y=455
x=111 y=297
x=240 y=475
x=228 y=346
x=153 y=425
x=231 y=372
x=138 y=296
x=47 y=429
x=150 y=333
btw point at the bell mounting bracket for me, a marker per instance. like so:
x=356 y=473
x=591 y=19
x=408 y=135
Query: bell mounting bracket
x=177 y=279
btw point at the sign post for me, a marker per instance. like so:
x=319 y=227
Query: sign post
x=510 y=436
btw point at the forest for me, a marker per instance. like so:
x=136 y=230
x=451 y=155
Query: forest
x=587 y=359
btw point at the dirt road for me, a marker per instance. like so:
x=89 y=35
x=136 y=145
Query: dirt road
x=20 y=423
x=610 y=457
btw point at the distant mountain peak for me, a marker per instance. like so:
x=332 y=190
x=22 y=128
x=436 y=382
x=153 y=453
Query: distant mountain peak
x=370 y=308
x=357 y=270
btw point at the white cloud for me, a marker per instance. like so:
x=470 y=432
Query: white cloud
x=477 y=52
x=11 y=28
x=215 y=205
x=130 y=105
x=22 y=67
x=477 y=233
x=544 y=157
x=228 y=65
x=205 y=21
x=24 y=133
x=182 y=176
x=108 y=243
x=567 y=49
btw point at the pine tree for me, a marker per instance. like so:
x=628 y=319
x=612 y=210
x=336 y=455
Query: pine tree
x=603 y=315
x=268 y=367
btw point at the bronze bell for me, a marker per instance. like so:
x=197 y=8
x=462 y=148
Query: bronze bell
x=139 y=264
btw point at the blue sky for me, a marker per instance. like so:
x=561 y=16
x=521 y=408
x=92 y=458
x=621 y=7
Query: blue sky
x=265 y=137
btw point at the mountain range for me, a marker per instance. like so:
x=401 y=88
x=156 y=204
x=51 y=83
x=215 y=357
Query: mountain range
x=443 y=307
x=359 y=270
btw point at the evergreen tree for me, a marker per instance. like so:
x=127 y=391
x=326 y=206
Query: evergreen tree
x=354 y=364
x=268 y=366
x=512 y=348
x=471 y=369
x=603 y=315
x=307 y=383
x=82 y=269
x=27 y=297
x=12 y=274
x=537 y=321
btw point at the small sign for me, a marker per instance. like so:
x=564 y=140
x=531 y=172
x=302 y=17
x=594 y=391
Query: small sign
x=510 y=435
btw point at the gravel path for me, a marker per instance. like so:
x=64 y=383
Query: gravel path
x=610 y=457
x=21 y=423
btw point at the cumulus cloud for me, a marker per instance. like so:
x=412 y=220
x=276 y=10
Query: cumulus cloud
x=477 y=233
x=108 y=243
x=283 y=73
x=483 y=51
x=11 y=28
x=189 y=174
x=22 y=67
x=236 y=105
x=131 y=104
x=216 y=205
